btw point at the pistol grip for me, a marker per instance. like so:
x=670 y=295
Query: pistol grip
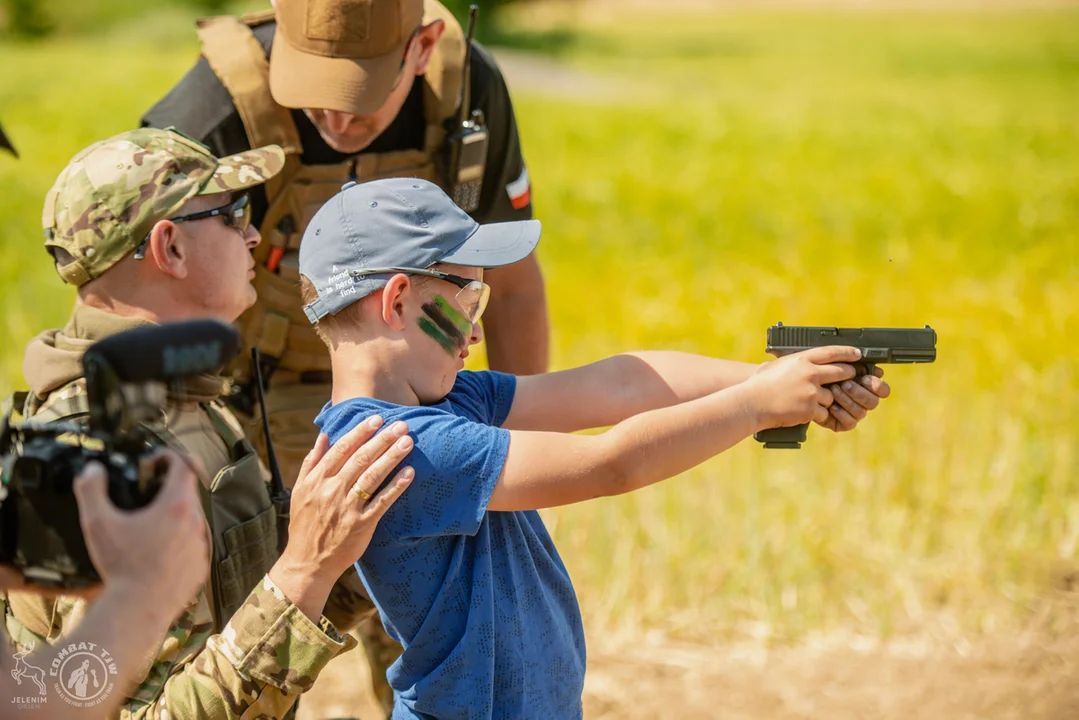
x=784 y=438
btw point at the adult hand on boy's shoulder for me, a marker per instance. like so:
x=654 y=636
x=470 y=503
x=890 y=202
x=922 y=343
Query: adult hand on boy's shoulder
x=335 y=508
x=854 y=399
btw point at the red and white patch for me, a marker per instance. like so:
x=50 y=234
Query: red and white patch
x=520 y=191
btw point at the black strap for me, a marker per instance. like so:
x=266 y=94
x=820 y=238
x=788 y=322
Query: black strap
x=279 y=494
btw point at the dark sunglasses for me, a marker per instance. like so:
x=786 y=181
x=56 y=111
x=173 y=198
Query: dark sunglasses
x=237 y=214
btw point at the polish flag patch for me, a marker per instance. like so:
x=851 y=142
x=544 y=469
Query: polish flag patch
x=520 y=191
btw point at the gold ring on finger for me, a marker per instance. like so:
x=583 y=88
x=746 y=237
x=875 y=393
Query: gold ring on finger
x=361 y=492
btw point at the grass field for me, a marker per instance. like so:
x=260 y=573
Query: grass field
x=848 y=168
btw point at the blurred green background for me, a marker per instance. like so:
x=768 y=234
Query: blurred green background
x=701 y=176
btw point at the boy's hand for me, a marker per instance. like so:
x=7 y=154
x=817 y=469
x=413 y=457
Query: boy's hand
x=790 y=391
x=855 y=398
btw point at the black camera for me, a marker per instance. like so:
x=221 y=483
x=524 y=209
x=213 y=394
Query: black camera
x=127 y=379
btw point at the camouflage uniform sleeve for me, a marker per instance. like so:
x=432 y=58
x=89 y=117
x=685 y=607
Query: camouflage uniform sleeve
x=264 y=659
x=348 y=605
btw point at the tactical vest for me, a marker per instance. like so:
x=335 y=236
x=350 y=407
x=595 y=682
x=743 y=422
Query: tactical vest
x=236 y=501
x=276 y=324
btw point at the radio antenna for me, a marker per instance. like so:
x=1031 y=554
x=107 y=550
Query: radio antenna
x=466 y=72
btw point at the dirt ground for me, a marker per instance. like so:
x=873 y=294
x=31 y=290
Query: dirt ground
x=839 y=678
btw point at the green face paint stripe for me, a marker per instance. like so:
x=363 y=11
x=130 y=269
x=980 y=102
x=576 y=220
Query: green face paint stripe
x=453 y=314
x=437 y=335
x=444 y=323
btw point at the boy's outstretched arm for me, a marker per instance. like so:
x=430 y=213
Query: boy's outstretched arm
x=610 y=390
x=550 y=469
x=607 y=392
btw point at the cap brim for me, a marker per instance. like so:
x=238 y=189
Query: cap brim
x=497 y=244
x=245 y=170
x=357 y=86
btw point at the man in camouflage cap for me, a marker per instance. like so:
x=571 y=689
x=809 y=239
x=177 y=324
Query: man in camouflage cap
x=151 y=227
x=107 y=201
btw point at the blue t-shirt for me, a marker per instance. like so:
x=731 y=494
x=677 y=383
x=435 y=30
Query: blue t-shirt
x=480 y=600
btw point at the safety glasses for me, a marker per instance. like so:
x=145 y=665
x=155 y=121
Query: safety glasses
x=237 y=214
x=472 y=297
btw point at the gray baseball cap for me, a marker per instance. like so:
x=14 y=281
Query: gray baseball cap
x=398 y=223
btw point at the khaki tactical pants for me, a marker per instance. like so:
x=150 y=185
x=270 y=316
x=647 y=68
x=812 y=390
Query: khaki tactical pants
x=292 y=403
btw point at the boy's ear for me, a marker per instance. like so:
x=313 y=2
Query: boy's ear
x=166 y=250
x=393 y=301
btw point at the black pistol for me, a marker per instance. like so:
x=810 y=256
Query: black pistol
x=878 y=345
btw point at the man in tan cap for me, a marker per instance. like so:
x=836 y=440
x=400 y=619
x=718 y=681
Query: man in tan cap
x=354 y=91
x=151 y=227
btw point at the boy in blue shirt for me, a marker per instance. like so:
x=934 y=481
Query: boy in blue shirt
x=461 y=568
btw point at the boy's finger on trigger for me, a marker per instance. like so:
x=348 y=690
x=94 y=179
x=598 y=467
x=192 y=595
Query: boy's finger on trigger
x=829 y=354
x=833 y=372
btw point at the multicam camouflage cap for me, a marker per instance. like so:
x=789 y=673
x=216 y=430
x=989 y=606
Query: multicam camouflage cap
x=111 y=194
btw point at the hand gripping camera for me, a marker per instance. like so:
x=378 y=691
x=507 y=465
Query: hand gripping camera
x=127 y=377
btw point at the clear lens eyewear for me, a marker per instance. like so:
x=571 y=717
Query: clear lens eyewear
x=472 y=297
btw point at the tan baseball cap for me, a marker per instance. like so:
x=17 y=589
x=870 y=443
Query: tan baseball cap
x=341 y=55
